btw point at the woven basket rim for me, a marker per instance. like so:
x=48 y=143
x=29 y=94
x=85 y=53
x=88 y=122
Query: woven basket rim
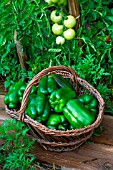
x=42 y=127
x=46 y=130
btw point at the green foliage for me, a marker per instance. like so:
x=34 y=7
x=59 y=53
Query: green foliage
x=92 y=60
x=15 y=151
x=88 y=71
x=107 y=94
x=96 y=24
x=30 y=20
x=96 y=21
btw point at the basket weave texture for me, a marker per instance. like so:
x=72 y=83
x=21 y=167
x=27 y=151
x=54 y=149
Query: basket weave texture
x=57 y=140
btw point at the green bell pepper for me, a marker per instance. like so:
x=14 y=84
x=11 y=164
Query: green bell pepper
x=32 y=99
x=77 y=114
x=16 y=85
x=59 y=98
x=38 y=107
x=90 y=102
x=21 y=91
x=12 y=98
x=56 y=121
x=33 y=90
x=31 y=111
x=51 y=85
x=42 y=86
x=40 y=103
x=46 y=111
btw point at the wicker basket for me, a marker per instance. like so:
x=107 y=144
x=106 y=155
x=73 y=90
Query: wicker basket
x=57 y=140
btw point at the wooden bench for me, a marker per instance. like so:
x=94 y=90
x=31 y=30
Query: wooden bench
x=97 y=154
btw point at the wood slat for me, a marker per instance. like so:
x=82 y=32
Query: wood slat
x=3 y=115
x=90 y=156
x=106 y=136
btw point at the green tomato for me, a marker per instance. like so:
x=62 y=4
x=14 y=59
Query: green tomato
x=54 y=1
x=62 y=2
x=54 y=17
x=69 y=34
x=49 y=2
x=57 y=29
x=70 y=22
x=60 y=40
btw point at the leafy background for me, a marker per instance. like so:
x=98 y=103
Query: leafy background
x=92 y=60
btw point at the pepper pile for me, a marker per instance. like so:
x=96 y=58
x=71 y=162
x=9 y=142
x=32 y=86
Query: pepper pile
x=46 y=106
x=14 y=95
x=54 y=103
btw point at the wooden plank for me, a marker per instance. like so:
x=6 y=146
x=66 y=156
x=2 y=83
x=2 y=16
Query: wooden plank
x=106 y=135
x=1 y=101
x=3 y=114
x=90 y=156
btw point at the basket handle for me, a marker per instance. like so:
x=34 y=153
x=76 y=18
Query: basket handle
x=65 y=70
